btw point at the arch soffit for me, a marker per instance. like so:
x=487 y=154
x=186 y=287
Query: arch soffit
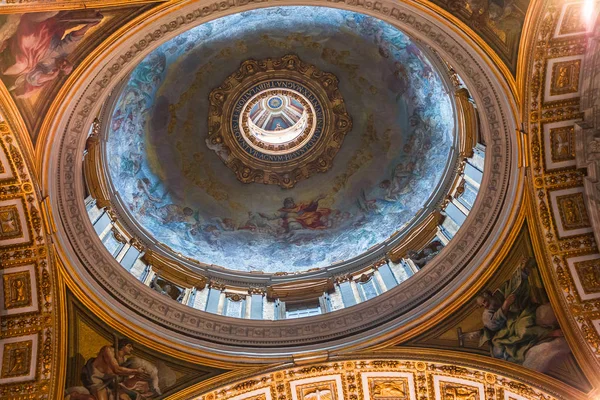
x=566 y=253
x=33 y=321
x=91 y=267
x=415 y=370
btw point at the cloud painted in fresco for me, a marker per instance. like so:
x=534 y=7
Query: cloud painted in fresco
x=386 y=171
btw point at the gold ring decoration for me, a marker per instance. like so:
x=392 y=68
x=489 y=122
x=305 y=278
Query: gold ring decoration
x=277 y=121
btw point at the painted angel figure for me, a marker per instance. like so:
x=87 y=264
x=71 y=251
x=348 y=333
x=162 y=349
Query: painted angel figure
x=397 y=185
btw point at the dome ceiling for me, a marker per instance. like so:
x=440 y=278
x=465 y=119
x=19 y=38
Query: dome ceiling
x=277 y=112
x=387 y=170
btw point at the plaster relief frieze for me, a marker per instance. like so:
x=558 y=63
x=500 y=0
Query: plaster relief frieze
x=19 y=290
x=18 y=357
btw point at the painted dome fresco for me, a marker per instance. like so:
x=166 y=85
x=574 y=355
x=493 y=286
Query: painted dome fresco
x=331 y=132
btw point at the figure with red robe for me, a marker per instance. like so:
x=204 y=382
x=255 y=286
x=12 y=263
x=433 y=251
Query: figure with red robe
x=37 y=53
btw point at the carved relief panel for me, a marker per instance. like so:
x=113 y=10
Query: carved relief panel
x=27 y=345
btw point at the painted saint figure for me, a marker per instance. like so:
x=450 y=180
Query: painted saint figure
x=103 y=374
x=302 y=216
x=509 y=318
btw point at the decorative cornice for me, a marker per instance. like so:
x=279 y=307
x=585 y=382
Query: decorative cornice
x=468 y=123
x=173 y=271
x=419 y=237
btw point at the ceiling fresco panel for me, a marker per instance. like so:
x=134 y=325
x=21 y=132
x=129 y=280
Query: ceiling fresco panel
x=515 y=347
x=294 y=334
x=38 y=51
x=142 y=371
x=511 y=320
x=498 y=22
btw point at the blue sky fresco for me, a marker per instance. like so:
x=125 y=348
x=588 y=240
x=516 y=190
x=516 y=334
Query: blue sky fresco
x=181 y=192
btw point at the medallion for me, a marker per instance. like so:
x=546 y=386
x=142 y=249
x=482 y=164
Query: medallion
x=277 y=121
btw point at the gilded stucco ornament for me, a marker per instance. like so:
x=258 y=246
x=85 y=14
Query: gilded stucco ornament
x=30 y=360
x=558 y=99
x=301 y=117
x=422 y=374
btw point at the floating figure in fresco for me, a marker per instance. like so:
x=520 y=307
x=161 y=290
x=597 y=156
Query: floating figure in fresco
x=175 y=213
x=422 y=133
x=517 y=327
x=137 y=98
x=398 y=82
x=132 y=105
x=397 y=185
x=302 y=216
x=106 y=377
x=219 y=148
x=37 y=53
x=132 y=163
x=224 y=224
x=148 y=73
x=146 y=186
x=367 y=205
x=258 y=222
